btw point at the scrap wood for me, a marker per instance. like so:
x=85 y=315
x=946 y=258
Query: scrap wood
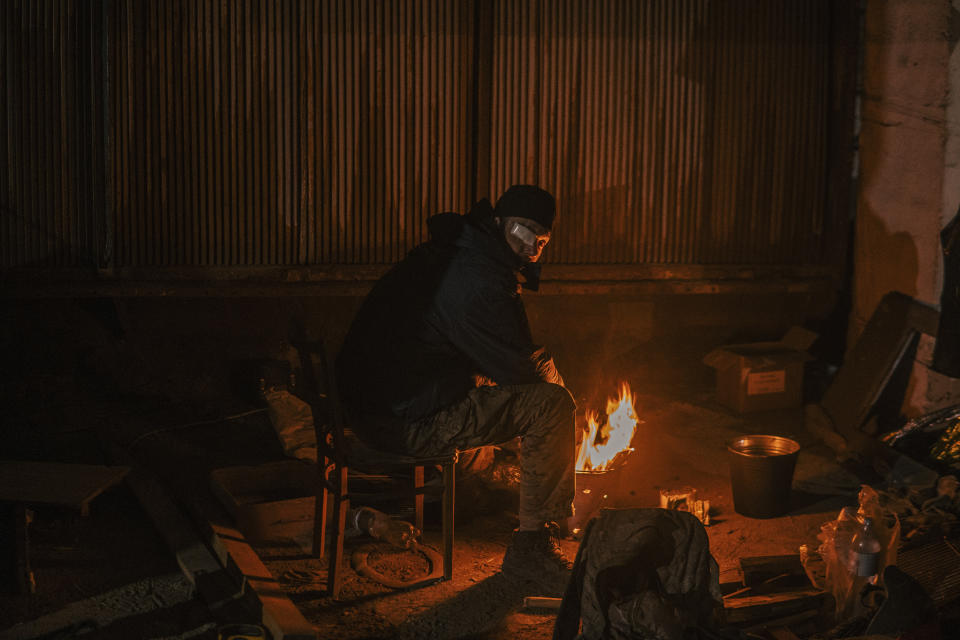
x=860 y=381
x=196 y=561
x=232 y=571
x=922 y=511
x=279 y=614
x=227 y=569
x=857 y=445
x=540 y=602
x=759 y=570
x=758 y=607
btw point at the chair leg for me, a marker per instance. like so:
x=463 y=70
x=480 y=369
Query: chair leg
x=320 y=512
x=341 y=503
x=449 y=486
x=418 y=496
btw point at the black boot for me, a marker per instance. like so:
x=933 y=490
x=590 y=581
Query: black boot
x=536 y=555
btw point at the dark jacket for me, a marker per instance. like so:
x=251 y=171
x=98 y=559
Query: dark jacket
x=447 y=313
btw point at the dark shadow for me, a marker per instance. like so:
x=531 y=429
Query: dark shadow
x=477 y=612
x=802 y=502
x=887 y=409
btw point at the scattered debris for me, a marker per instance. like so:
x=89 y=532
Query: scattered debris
x=895 y=323
x=749 y=609
x=686 y=500
x=785 y=570
x=947 y=448
x=933 y=421
x=774 y=591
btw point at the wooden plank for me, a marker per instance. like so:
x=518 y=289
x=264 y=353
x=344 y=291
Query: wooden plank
x=54 y=483
x=542 y=602
x=752 y=608
x=197 y=562
x=779 y=571
x=280 y=615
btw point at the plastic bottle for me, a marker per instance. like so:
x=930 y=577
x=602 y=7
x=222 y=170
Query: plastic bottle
x=866 y=550
x=379 y=525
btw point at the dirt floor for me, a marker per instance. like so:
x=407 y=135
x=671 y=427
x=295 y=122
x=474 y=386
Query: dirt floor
x=110 y=575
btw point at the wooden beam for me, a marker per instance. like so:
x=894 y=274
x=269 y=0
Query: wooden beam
x=279 y=614
x=773 y=570
x=196 y=561
x=754 y=608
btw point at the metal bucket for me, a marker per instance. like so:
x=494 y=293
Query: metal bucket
x=761 y=474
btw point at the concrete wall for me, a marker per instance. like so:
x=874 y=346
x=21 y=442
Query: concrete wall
x=202 y=352
x=909 y=177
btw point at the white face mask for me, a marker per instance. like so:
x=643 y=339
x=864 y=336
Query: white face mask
x=524 y=235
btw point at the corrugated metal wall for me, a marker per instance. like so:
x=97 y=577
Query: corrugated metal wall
x=395 y=113
x=672 y=132
x=51 y=134
x=275 y=133
x=252 y=132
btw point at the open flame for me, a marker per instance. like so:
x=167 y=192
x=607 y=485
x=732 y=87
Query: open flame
x=602 y=443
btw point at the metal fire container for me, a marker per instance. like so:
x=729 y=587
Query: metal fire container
x=593 y=491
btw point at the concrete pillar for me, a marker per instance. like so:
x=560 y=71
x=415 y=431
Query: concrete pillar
x=909 y=177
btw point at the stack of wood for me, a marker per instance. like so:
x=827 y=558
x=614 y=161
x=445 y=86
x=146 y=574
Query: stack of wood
x=773 y=595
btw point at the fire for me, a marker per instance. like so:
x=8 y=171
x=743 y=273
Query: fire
x=602 y=443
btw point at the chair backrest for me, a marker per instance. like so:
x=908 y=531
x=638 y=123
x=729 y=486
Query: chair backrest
x=318 y=388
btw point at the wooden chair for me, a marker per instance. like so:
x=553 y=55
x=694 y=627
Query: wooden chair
x=318 y=388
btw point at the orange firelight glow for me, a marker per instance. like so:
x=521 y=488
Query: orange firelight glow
x=601 y=444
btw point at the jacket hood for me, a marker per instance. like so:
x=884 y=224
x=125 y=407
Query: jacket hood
x=445 y=228
x=482 y=233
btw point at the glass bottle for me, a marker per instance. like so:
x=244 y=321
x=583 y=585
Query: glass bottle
x=866 y=550
x=379 y=525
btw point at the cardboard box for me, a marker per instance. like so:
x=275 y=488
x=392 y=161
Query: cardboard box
x=761 y=376
x=272 y=501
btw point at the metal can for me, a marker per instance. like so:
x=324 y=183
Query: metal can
x=241 y=632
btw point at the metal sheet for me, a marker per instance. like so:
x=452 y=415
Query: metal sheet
x=50 y=191
x=393 y=83
x=671 y=132
x=251 y=133
x=263 y=133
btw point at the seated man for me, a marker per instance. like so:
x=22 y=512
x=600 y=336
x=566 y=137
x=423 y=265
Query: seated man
x=440 y=358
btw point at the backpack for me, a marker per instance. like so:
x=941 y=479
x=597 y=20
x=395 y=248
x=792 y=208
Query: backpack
x=640 y=574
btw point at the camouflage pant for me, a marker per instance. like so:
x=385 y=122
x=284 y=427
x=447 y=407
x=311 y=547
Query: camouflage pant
x=541 y=414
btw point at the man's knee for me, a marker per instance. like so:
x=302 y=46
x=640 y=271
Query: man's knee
x=558 y=398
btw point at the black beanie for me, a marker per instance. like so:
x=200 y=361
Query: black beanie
x=527 y=201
